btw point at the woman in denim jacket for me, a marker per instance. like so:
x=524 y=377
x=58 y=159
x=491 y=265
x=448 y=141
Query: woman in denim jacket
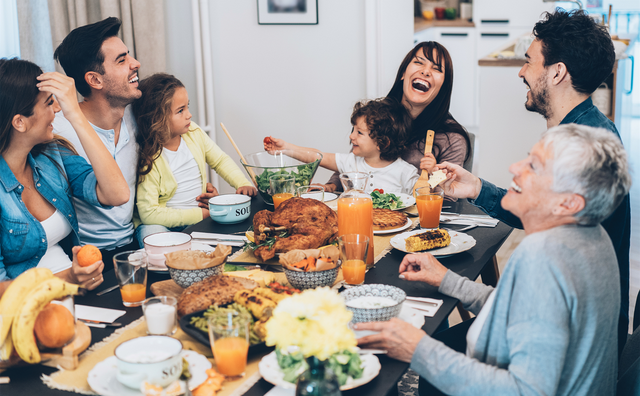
x=40 y=173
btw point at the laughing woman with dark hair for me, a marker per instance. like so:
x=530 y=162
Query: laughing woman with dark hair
x=40 y=173
x=423 y=85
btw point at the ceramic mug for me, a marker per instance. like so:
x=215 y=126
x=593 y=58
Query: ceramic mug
x=230 y=208
x=156 y=245
x=154 y=359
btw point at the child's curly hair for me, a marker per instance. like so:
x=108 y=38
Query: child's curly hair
x=388 y=123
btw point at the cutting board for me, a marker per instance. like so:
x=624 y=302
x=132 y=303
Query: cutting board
x=166 y=288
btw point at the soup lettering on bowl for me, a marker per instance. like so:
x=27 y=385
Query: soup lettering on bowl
x=230 y=208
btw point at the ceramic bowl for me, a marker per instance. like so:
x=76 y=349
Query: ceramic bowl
x=155 y=359
x=375 y=314
x=156 y=245
x=187 y=277
x=263 y=165
x=311 y=280
x=230 y=208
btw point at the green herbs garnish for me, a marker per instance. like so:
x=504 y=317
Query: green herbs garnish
x=385 y=201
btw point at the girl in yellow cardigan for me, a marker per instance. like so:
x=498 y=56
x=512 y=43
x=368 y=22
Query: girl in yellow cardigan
x=173 y=154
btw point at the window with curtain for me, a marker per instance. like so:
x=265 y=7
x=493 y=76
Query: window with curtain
x=9 y=41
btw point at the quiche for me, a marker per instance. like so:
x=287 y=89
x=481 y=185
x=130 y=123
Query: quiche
x=387 y=219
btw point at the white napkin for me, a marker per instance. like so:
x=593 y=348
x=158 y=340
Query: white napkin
x=214 y=239
x=98 y=314
x=463 y=219
x=424 y=306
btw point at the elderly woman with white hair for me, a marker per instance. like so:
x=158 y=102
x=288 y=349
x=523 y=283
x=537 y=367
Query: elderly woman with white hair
x=549 y=327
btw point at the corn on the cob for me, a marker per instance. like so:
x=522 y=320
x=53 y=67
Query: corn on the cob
x=428 y=240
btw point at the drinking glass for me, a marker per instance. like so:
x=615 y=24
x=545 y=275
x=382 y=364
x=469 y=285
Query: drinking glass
x=131 y=272
x=353 y=253
x=283 y=187
x=229 y=339
x=312 y=191
x=160 y=313
x=429 y=203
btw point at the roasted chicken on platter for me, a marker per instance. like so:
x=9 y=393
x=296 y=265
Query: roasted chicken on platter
x=308 y=223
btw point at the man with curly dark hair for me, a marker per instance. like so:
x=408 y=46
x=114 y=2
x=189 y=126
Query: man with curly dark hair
x=569 y=58
x=377 y=138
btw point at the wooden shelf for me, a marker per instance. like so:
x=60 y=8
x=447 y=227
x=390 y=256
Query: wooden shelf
x=420 y=24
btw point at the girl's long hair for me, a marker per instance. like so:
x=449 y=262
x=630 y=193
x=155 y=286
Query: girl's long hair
x=436 y=116
x=18 y=95
x=152 y=112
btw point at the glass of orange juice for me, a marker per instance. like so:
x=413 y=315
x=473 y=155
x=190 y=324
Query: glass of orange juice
x=353 y=253
x=429 y=203
x=131 y=272
x=229 y=337
x=283 y=187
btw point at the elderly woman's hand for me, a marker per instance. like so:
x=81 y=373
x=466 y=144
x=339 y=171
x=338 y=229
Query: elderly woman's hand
x=423 y=268
x=399 y=338
x=460 y=183
x=88 y=277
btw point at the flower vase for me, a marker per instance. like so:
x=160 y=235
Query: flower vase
x=318 y=380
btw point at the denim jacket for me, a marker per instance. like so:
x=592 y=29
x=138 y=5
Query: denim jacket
x=23 y=240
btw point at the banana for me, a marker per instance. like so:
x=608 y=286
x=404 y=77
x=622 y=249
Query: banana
x=13 y=297
x=24 y=340
x=6 y=348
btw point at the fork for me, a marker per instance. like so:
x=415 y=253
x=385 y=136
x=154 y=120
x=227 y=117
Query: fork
x=472 y=226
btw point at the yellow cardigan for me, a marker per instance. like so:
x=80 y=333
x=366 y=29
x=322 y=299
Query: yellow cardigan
x=159 y=185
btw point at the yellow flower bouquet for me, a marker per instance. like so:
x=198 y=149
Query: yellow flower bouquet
x=314 y=323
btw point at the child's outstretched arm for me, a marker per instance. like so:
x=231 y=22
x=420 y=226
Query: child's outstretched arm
x=272 y=144
x=428 y=163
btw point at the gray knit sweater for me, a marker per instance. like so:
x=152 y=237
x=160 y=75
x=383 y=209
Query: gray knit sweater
x=552 y=329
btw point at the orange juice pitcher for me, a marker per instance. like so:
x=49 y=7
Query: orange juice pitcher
x=355 y=209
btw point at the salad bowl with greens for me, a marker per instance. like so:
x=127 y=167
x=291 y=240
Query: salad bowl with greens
x=302 y=164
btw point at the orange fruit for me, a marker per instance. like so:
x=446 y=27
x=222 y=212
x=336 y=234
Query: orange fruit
x=54 y=326
x=88 y=254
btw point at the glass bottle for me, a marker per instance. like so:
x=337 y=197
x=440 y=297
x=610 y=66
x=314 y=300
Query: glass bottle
x=318 y=380
x=355 y=209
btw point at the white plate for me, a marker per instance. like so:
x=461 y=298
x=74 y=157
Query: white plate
x=391 y=231
x=407 y=200
x=272 y=373
x=460 y=242
x=102 y=378
x=194 y=246
x=328 y=197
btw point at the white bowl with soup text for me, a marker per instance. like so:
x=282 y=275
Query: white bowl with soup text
x=154 y=359
x=230 y=208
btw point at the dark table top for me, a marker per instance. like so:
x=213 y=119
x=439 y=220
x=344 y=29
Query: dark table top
x=25 y=380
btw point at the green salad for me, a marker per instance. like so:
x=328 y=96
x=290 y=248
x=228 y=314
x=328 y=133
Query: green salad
x=344 y=364
x=220 y=315
x=303 y=175
x=385 y=201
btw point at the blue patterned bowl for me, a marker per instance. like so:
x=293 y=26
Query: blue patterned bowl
x=311 y=280
x=375 y=314
x=186 y=278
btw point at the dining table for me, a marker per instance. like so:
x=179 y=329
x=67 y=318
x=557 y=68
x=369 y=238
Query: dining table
x=26 y=379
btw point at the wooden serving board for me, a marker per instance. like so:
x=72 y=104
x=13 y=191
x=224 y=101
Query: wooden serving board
x=68 y=358
x=166 y=288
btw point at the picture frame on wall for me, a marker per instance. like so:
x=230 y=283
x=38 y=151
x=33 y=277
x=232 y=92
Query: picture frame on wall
x=287 y=12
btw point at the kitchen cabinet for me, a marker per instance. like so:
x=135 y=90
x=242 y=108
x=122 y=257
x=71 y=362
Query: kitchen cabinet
x=459 y=42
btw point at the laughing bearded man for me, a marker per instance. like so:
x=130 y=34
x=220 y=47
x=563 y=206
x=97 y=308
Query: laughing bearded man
x=569 y=58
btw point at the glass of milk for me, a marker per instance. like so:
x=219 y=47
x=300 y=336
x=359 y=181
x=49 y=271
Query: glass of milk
x=161 y=315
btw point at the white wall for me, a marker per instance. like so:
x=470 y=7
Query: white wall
x=298 y=82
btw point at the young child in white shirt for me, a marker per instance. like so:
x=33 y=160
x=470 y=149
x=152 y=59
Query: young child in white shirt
x=379 y=130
